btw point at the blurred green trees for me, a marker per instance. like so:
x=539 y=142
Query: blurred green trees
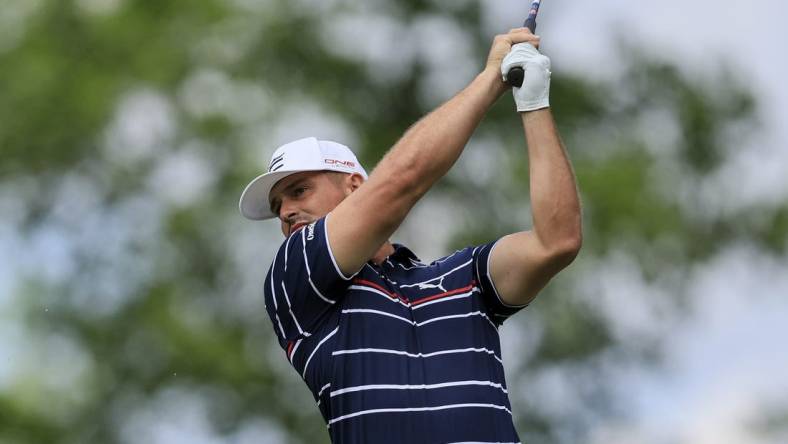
x=129 y=128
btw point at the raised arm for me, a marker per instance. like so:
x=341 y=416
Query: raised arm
x=359 y=225
x=522 y=263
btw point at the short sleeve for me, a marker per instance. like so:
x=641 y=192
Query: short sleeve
x=303 y=283
x=498 y=309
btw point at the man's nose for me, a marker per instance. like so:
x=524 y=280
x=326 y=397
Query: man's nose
x=287 y=212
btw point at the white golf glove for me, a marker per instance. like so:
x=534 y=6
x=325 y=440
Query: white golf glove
x=535 y=92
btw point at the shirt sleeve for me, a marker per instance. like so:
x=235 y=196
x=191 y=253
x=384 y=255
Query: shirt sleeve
x=497 y=308
x=303 y=283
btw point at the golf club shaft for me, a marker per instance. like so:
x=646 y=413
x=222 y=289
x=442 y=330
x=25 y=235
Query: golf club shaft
x=515 y=75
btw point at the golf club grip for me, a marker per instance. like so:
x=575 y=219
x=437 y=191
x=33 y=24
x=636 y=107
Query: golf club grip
x=515 y=75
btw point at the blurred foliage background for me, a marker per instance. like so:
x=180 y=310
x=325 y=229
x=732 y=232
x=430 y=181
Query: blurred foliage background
x=128 y=129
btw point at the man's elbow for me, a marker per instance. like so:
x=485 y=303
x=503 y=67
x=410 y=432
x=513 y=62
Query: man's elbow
x=566 y=250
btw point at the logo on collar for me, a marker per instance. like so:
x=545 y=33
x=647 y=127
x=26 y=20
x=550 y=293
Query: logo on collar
x=310 y=231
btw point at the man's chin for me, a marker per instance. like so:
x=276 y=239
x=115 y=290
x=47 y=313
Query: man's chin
x=298 y=226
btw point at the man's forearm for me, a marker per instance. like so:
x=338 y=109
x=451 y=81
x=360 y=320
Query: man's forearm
x=431 y=146
x=554 y=198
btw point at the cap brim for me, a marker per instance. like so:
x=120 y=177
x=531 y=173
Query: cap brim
x=254 y=199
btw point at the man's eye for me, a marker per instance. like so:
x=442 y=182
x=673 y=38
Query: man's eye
x=274 y=205
x=299 y=191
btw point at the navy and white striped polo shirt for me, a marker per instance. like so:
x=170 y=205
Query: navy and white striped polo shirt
x=398 y=353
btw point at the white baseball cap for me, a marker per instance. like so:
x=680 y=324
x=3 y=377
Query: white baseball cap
x=307 y=154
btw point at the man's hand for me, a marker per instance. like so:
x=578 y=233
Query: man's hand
x=503 y=43
x=535 y=90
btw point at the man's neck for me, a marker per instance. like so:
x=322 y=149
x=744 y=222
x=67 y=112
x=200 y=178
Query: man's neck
x=383 y=252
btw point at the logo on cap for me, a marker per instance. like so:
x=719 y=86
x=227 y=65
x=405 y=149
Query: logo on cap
x=276 y=163
x=345 y=163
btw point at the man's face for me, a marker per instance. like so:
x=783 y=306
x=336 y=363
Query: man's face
x=302 y=198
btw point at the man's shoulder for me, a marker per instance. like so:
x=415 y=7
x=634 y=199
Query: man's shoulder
x=285 y=247
x=417 y=270
x=458 y=256
x=298 y=240
x=464 y=263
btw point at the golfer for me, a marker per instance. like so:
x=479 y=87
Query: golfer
x=395 y=350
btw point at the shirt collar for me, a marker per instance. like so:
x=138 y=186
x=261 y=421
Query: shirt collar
x=403 y=254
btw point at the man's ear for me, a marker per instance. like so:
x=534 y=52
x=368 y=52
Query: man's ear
x=352 y=182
